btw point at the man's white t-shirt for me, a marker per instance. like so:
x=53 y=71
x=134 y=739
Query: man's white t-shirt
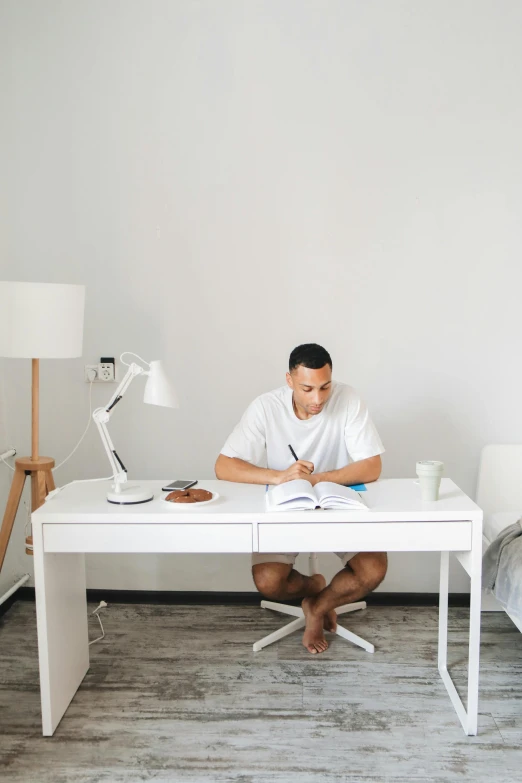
x=341 y=433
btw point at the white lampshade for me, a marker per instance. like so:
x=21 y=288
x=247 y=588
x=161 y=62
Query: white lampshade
x=158 y=389
x=41 y=320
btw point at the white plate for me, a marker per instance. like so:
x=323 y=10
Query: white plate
x=170 y=504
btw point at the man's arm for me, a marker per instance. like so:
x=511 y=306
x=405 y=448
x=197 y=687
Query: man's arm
x=235 y=469
x=362 y=472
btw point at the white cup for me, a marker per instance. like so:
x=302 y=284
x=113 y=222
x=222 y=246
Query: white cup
x=429 y=473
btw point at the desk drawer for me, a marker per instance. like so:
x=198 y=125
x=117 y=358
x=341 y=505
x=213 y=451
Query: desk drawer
x=148 y=538
x=365 y=537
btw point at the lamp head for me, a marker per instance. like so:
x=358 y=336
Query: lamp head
x=158 y=389
x=41 y=320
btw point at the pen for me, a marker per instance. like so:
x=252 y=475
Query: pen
x=294 y=455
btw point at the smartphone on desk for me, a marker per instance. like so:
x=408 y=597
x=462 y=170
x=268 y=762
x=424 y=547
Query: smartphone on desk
x=180 y=484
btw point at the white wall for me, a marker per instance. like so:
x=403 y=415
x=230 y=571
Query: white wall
x=231 y=179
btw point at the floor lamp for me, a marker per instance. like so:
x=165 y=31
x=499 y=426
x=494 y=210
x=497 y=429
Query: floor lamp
x=37 y=321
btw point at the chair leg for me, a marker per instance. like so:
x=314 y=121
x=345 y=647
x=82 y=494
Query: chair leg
x=350 y=607
x=295 y=625
x=354 y=639
x=296 y=611
x=279 y=634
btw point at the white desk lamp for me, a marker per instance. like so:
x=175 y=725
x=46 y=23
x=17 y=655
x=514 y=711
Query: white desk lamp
x=158 y=391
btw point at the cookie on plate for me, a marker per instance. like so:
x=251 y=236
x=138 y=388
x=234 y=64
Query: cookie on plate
x=200 y=494
x=177 y=493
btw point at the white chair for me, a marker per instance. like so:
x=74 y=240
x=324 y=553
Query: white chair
x=499 y=494
x=297 y=612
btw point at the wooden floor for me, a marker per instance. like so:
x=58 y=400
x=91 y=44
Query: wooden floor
x=175 y=693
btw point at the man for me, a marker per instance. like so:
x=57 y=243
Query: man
x=330 y=430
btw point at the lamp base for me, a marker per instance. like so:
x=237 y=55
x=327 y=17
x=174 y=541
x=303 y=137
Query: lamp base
x=129 y=495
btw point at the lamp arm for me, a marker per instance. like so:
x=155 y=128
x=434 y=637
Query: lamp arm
x=134 y=369
x=101 y=417
x=119 y=471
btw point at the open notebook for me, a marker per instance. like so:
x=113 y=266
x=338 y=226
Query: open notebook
x=299 y=495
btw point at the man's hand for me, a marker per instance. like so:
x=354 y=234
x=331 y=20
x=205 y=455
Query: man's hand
x=299 y=470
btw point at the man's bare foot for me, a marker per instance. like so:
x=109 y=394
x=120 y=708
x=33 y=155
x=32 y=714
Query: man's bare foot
x=313 y=637
x=330 y=621
x=330 y=618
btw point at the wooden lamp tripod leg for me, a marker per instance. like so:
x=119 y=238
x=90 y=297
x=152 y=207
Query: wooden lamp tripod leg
x=13 y=501
x=49 y=481
x=40 y=470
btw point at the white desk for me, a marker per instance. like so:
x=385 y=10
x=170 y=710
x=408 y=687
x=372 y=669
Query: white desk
x=79 y=520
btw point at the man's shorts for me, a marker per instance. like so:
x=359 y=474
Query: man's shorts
x=289 y=557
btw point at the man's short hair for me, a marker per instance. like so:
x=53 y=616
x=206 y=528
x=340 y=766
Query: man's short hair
x=309 y=355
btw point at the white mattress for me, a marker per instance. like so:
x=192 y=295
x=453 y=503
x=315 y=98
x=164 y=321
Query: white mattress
x=495 y=523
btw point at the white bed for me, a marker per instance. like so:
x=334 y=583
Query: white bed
x=499 y=494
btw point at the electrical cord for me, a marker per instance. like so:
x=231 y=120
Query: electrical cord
x=79 y=481
x=86 y=429
x=6 y=463
x=101 y=606
x=76 y=481
x=82 y=437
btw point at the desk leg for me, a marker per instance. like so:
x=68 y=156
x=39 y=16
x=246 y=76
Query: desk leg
x=469 y=718
x=443 y=610
x=61 y=613
x=474 y=627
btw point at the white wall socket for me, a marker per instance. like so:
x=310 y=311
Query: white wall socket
x=103 y=373
x=106 y=372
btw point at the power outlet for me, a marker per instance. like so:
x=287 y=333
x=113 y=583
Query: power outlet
x=106 y=371
x=103 y=372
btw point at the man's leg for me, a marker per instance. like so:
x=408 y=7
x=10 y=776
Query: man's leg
x=363 y=573
x=277 y=579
